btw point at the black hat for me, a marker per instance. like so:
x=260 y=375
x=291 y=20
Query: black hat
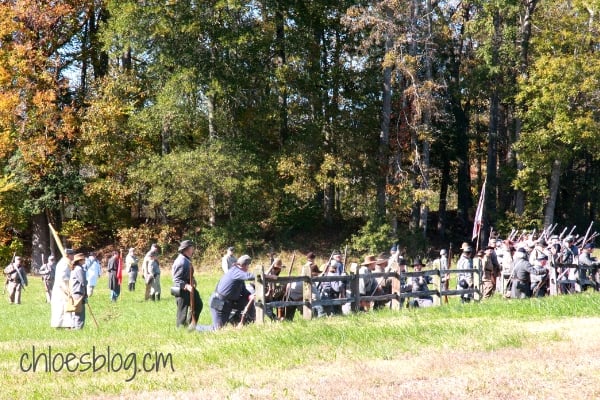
x=541 y=257
x=69 y=252
x=311 y=255
x=184 y=245
x=417 y=261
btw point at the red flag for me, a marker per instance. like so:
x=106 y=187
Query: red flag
x=479 y=213
x=120 y=269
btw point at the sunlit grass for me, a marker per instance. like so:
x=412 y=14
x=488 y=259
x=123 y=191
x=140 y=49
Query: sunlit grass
x=133 y=326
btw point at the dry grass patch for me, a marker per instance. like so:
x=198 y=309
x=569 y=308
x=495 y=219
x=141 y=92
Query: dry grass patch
x=560 y=362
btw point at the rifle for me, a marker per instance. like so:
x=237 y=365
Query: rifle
x=446 y=283
x=64 y=254
x=7 y=280
x=587 y=234
x=572 y=229
x=23 y=282
x=287 y=295
x=344 y=262
x=562 y=234
x=192 y=297
x=245 y=312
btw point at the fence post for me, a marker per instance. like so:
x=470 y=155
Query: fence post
x=307 y=293
x=477 y=283
x=437 y=279
x=396 y=290
x=552 y=280
x=259 y=295
x=355 y=292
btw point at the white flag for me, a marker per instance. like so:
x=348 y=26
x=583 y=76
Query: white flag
x=479 y=213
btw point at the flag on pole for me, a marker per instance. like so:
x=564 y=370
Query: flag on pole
x=479 y=213
x=120 y=269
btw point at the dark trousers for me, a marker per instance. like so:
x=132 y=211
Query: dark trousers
x=223 y=316
x=183 y=307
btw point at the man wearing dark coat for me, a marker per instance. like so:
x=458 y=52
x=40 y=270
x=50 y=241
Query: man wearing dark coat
x=78 y=287
x=184 y=283
x=113 y=280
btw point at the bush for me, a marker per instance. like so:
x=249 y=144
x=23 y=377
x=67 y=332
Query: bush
x=375 y=236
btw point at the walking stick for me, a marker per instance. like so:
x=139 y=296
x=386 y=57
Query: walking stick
x=64 y=254
x=92 y=314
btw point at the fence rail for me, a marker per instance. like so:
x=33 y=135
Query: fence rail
x=352 y=293
x=562 y=278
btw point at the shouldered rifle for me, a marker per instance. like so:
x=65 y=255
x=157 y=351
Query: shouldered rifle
x=17 y=269
x=344 y=262
x=587 y=234
x=572 y=230
x=562 y=234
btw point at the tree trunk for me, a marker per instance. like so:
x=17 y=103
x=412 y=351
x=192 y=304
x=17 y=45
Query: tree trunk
x=40 y=240
x=553 y=195
x=441 y=225
x=281 y=61
x=489 y=212
x=524 y=66
x=384 y=135
x=210 y=107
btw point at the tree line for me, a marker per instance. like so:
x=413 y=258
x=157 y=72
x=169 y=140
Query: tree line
x=245 y=121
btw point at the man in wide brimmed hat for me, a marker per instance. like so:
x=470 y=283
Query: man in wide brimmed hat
x=78 y=290
x=419 y=283
x=366 y=284
x=185 y=286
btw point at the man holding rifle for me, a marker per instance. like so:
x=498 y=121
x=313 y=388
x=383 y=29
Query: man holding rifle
x=184 y=287
x=17 y=280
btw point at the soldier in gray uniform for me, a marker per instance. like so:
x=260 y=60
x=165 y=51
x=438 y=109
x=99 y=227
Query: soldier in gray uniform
x=47 y=272
x=231 y=294
x=78 y=287
x=539 y=279
x=588 y=277
x=521 y=277
x=465 y=279
x=17 y=279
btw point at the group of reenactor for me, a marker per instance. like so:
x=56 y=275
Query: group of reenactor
x=520 y=268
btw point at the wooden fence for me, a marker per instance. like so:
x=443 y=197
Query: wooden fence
x=353 y=295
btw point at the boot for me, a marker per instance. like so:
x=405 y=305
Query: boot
x=153 y=297
x=131 y=287
x=157 y=296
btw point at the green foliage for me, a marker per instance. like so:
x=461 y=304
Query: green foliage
x=79 y=234
x=143 y=236
x=374 y=237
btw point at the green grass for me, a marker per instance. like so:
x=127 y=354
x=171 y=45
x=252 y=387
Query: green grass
x=132 y=326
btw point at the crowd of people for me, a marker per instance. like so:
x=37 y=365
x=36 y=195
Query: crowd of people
x=518 y=269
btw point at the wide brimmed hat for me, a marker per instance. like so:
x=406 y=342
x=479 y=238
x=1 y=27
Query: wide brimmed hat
x=78 y=257
x=381 y=259
x=417 y=261
x=184 y=245
x=369 y=260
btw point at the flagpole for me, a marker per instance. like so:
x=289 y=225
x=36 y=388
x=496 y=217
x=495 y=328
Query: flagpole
x=478 y=220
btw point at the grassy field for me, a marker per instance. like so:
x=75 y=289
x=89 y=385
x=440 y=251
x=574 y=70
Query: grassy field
x=409 y=354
